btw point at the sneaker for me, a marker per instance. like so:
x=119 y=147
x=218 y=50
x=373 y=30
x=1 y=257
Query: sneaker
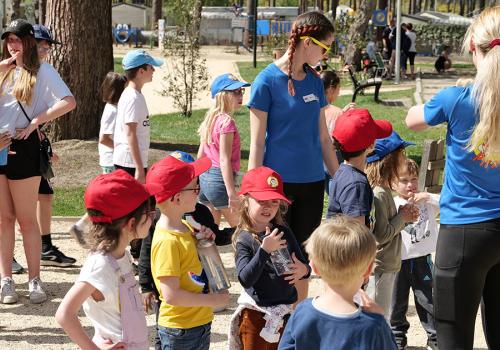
x=37 y=294
x=54 y=257
x=8 y=291
x=16 y=267
x=432 y=345
x=401 y=343
x=78 y=234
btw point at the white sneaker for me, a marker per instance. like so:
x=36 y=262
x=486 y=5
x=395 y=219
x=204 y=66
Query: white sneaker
x=8 y=291
x=37 y=294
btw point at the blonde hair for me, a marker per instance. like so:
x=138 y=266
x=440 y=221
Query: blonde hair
x=464 y=81
x=486 y=89
x=246 y=223
x=384 y=172
x=341 y=249
x=24 y=85
x=223 y=105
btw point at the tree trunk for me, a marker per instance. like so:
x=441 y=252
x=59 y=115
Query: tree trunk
x=42 y=10
x=354 y=5
x=82 y=61
x=12 y=10
x=198 y=6
x=334 y=4
x=461 y=12
x=302 y=6
x=357 y=30
x=157 y=13
x=319 y=5
x=482 y=4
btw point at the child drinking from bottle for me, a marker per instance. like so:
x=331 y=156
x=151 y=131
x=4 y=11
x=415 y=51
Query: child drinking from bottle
x=269 y=262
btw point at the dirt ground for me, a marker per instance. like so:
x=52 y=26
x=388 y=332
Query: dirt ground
x=26 y=326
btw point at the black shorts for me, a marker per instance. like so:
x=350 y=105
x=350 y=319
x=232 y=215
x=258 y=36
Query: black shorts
x=45 y=187
x=24 y=160
x=411 y=56
x=131 y=171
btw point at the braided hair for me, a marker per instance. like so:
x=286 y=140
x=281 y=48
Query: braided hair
x=313 y=24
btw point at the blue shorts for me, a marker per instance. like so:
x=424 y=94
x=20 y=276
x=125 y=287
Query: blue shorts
x=213 y=190
x=196 y=338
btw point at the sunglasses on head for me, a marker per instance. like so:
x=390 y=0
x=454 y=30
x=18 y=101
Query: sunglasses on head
x=326 y=49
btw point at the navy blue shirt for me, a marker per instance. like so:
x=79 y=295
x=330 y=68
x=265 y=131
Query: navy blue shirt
x=310 y=328
x=350 y=194
x=256 y=272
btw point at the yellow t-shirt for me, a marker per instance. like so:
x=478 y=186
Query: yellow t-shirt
x=174 y=253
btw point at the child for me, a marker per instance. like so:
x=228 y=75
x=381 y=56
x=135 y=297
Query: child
x=418 y=242
x=118 y=207
x=111 y=90
x=220 y=141
x=341 y=251
x=382 y=171
x=351 y=193
x=268 y=297
x=186 y=313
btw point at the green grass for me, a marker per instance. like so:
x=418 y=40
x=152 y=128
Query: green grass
x=117 y=62
x=68 y=201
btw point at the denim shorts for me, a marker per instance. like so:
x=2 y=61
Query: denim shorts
x=196 y=338
x=212 y=189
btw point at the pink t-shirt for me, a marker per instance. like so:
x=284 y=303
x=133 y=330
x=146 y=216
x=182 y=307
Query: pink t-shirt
x=224 y=124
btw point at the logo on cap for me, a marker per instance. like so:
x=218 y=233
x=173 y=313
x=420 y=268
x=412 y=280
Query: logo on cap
x=272 y=181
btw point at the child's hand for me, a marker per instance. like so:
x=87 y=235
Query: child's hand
x=55 y=157
x=148 y=299
x=299 y=270
x=419 y=197
x=111 y=346
x=370 y=305
x=205 y=233
x=349 y=106
x=234 y=202
x=410 y=212
x=273 y=240
x=219 y=299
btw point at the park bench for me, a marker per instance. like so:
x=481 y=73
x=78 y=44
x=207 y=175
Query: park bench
x=431 y=166
x=361 y=85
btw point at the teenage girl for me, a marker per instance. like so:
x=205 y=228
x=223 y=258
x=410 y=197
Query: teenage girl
x=288 y=131
x=382 y=172
x=220 y=141
x=467 y=270
x=261 y=232
x=111 y=90
x=119 y=209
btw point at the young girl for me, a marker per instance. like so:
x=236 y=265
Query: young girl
x=31 y=93
x=382 y=172
x=111 y=90
x=119 y=208
x=268 y=297
x=220 y=141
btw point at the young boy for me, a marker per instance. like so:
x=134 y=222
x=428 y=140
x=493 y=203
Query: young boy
x=341 y=252
x=418 y=242
x=354 y=135
x=185 y=312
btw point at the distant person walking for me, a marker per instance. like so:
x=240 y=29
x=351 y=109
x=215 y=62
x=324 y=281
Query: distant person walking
x=412 y=52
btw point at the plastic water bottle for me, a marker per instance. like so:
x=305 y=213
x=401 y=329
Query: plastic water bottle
x=5 y=151
x=211 y=261
x=281 y=260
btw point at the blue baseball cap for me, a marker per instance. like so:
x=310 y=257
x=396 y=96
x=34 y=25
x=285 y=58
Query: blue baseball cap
x=183 y=156
x=43 y=33
x=226 y=82
x=387 y=145
x=136 y=58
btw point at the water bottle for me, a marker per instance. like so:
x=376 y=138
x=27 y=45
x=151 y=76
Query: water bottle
x=211 y=261
x=281 y=260
x=5 y=151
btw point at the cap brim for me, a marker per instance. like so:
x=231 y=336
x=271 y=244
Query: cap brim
x=201 y=165
x=268 y=195
x=408 y=143
x=236 y=85
x=384 y=128
x=157 y=62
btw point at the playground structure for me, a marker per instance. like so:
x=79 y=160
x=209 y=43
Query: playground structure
x=125 y=33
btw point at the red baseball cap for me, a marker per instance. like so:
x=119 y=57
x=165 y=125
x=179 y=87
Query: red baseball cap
x=116 y=195
x=356 y=130
x=263 y=184
x=172 y=175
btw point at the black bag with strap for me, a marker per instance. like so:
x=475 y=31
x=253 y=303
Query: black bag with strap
x=45 y=150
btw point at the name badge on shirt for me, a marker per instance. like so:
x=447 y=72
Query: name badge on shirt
x=310 y=98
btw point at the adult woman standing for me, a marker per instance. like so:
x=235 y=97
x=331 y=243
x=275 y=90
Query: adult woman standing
x=467 y=268
x=37 y=88
x=287 y=124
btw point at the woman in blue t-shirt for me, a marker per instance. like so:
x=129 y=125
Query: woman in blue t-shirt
x=287 y=124
x=468 y=248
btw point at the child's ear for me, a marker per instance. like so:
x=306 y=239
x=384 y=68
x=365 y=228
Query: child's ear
x=313 y=268
x=130 y=224
x=368 y=271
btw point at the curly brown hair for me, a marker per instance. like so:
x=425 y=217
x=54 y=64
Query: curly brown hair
x=384 y=172
x=313 y=24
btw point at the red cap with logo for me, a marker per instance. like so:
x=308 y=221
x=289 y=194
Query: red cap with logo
x=116 y=195
x=172 y=175
x=356 y=130
x=263 y=184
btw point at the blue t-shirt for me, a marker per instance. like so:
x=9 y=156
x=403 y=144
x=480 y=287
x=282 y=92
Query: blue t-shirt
x=471 y=192
x=310 y=328
x=350 y=194
x=293 y=147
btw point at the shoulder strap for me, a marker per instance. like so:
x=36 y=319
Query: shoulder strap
x=24 y=112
